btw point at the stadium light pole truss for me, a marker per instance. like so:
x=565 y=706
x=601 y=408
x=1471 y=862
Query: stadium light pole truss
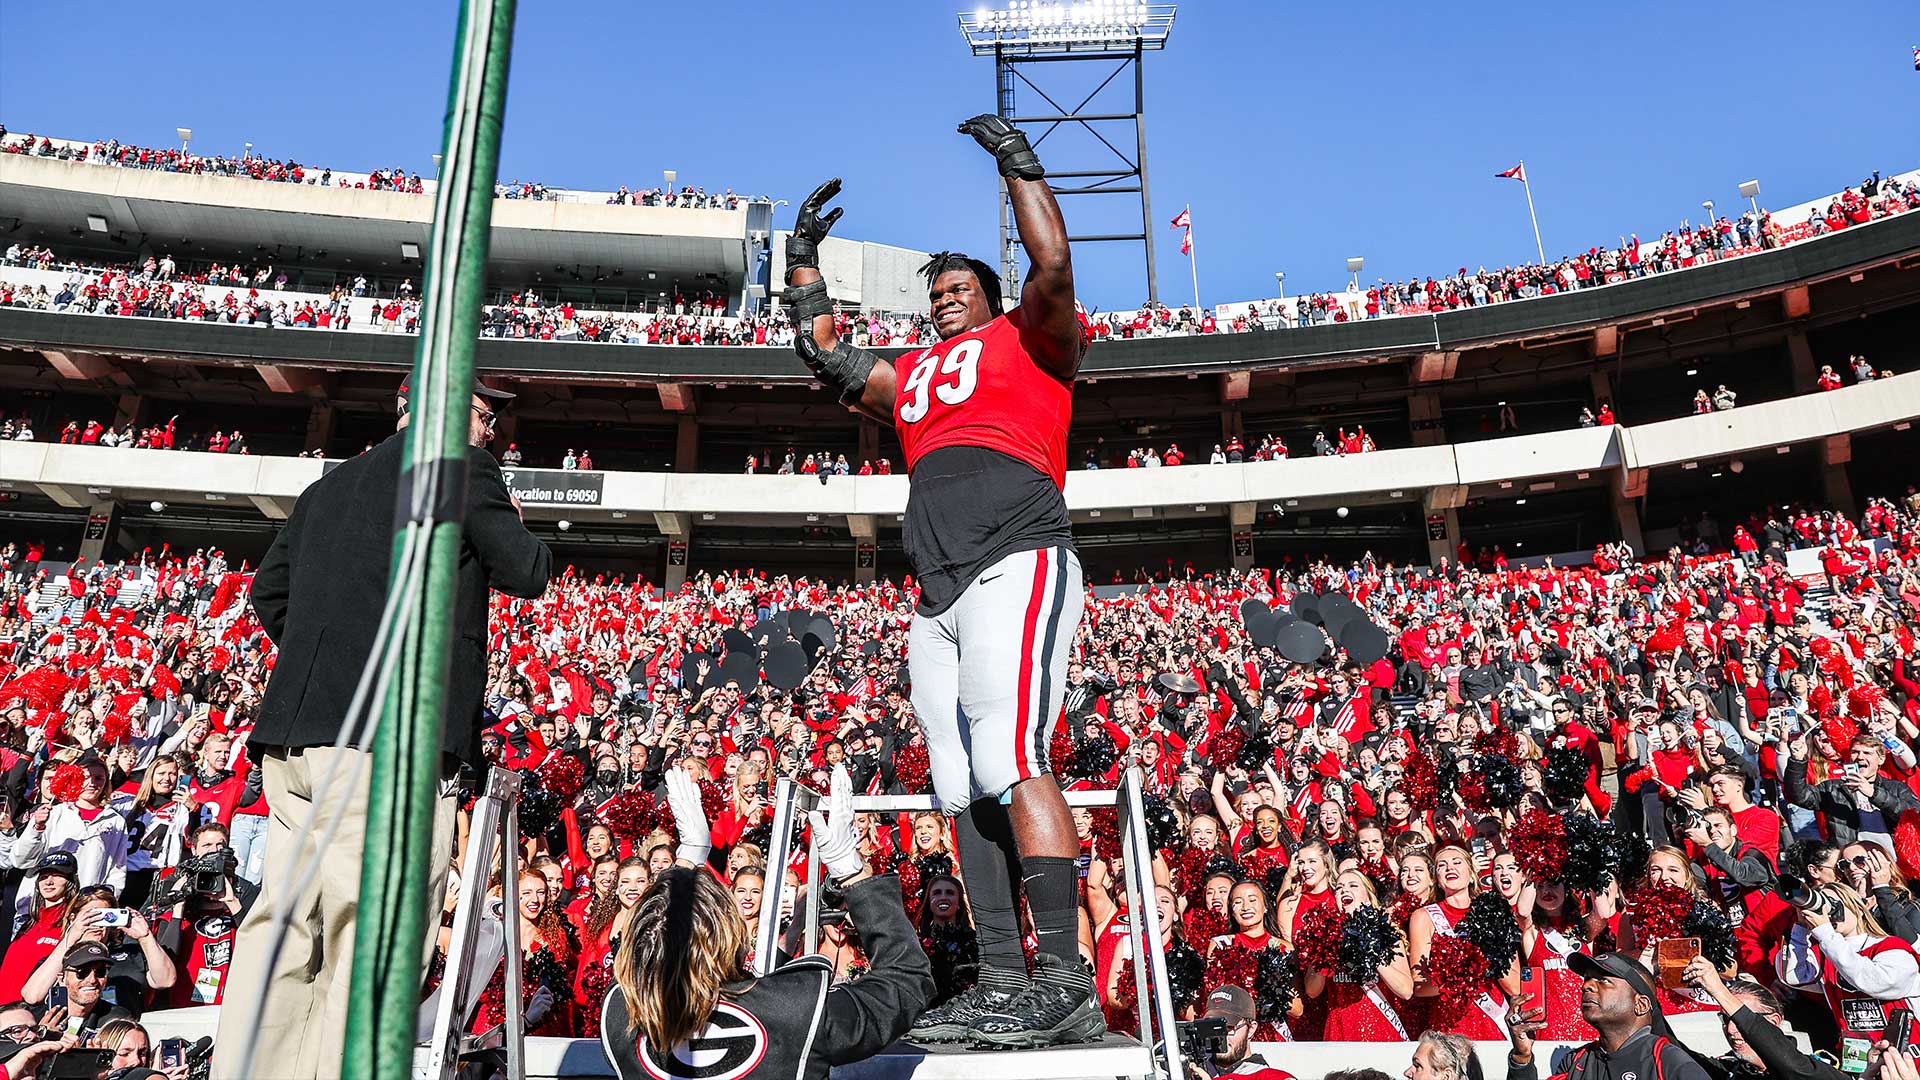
x=1025 y=33
x=391 y=936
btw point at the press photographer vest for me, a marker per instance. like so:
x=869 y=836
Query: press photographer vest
x=1859 y=1015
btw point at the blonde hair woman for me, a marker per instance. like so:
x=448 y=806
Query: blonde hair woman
x=682 y=972
x=1865 y=974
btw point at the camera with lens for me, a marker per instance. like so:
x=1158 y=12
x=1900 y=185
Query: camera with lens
x=201 y=875
x=1798 y=892
x=1201 y=1040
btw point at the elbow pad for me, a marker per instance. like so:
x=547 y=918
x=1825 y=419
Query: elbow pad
x=807 y=303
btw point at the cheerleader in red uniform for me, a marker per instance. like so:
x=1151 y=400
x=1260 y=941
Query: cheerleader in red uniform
x=547 y=955
x=1668 y=866
x=1365 y=1010
x=1481 y=1019
x=606 y=919
x=1113 y=963
x=1551 y=931
x=1251 y=917
x=1269 y=850
x=1307 y=887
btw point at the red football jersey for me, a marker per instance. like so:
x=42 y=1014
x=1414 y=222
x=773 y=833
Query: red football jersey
x=983 y=388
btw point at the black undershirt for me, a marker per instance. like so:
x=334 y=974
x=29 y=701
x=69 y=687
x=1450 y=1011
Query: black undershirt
x=969 y=507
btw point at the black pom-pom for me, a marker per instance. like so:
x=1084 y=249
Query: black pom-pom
x=1273 y=986
x=1185 y=967
x=1597 y=853
x=1500 y=778
x=1368 y=939
x=1163 y=823
x=1490 y=925
x=1256 y=751
x=1710 y=925
x=1221 y=864
x=933 y=864
x=1563 y=773
x=1093 y=758
x=539 y=810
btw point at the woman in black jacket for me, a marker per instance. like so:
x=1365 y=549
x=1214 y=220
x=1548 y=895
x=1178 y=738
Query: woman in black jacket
x=684 y=992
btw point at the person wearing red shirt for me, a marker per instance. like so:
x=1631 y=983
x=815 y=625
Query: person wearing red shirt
x=1829 y=379
x=1606 y=414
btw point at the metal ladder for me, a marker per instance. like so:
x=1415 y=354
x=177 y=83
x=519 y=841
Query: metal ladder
x=494 y=831
x=1115 y=1056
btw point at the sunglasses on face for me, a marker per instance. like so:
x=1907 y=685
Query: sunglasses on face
x=92 y=971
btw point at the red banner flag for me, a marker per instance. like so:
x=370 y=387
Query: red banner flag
x=1183 y=220
x=1186 y=243
x=1518 y=172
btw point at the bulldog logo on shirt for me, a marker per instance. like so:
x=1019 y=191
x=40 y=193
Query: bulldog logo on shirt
x=728 y=1048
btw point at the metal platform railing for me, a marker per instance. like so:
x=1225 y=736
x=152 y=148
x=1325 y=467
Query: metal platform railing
x=1153 y=996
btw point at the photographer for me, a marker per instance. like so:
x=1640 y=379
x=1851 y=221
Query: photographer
x=1233 y=1006
x=207 y=901
x=1866 y=975
x=1753 y=1023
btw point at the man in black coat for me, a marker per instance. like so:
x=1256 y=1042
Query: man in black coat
x=319 y=594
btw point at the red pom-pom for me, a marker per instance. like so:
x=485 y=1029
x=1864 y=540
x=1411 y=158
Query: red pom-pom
x=1232 y=964
x=595 y=981
x=713 y=799
x=1316 y=945
x=219 y=658
x=1420 y=782
x=629 y=815
x=1840 y=732
x=1834 y=666
x=1105 y=841
x=116 y=729
x=67 y=781
x=913 y=770
x=1668 y=638
x=1223 y=749
x=1403 y=908
x=563 y=775
x=1906 y=844
x=1457 y=967
x=1060 y=750
x=1203 y=924
x=1499 y=740
x=1864 y=700
x=1540 y=844
x=1659 y=911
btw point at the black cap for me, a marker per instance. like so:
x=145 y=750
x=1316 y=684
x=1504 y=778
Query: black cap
x=1612 y=965
x=59 y=862
x=1230 y=1002
x=86 y=953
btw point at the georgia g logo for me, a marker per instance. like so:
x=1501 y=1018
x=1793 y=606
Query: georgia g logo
x=728 y=1048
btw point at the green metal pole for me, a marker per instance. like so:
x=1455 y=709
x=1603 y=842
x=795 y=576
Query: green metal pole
x=390 y=938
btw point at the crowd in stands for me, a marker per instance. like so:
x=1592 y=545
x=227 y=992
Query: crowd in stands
x=250 y=166
x=1545 y=761
x=129 y=434
x=157 y=288
x=1234 y=451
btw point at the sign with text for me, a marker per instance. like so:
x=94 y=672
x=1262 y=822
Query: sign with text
x=555 y=487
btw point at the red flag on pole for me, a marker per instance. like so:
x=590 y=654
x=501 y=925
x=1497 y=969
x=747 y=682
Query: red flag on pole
x=1518 y=172
x=1186 y=242
x=1183 y=220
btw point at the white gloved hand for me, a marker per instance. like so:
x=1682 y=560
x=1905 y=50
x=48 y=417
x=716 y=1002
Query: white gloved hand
x=835 y=835
x=689 y=819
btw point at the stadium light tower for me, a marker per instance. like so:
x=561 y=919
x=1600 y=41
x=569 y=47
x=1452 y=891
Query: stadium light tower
x=186 y=136
x=1025 y=33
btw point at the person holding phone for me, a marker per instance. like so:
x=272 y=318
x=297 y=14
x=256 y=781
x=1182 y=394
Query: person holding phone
x=1867 y=975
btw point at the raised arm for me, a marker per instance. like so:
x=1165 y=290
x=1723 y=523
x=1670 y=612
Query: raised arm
x=1051 y=327
x=865 y=381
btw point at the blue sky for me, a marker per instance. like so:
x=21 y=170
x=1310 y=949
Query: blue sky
x=1298 y=139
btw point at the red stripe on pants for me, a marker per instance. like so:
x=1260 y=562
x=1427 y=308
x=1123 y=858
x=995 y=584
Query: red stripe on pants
x=1022 y=755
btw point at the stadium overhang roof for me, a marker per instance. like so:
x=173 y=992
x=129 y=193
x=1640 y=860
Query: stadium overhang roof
x=214 y=217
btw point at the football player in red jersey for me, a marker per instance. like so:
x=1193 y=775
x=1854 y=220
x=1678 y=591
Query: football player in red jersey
x=982 y=416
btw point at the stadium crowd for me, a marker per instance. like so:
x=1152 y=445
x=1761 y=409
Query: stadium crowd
x=249 y=166
x=1372 y=839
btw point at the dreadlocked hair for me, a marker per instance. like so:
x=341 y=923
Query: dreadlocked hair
x=945 y=261
x=685 y=942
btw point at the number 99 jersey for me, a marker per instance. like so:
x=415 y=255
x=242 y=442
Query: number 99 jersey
x=984 y=389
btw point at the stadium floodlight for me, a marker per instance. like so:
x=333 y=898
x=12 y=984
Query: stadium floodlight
x=1750 y=191
x=96 y=223
x=436 y=166
x=249 y=155
x=186 y=136
x=671 y=176
x=1707 y=205
x=409 y=250
x=1354 y=266
x=1031 y=27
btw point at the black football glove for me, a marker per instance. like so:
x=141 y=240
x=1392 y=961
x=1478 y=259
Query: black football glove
x=1008 y=145
x=811 y=226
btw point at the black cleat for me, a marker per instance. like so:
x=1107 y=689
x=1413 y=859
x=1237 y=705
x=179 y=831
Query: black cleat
x=952 y=1020
x=1047 y=1013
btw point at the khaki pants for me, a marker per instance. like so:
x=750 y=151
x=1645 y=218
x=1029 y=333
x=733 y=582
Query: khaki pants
x=303 y=1030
